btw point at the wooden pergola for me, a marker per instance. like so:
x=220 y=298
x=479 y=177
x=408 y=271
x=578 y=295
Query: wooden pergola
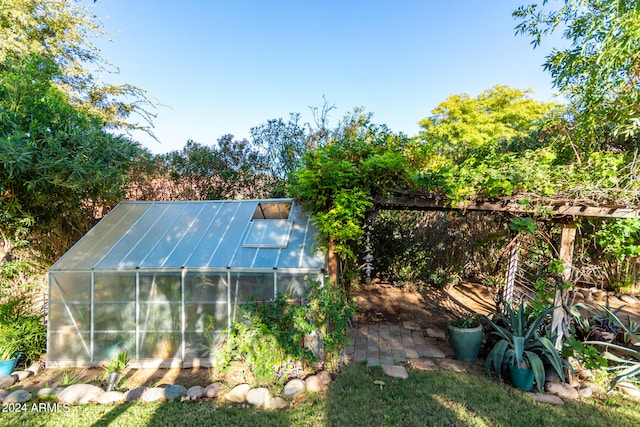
x=563 y=211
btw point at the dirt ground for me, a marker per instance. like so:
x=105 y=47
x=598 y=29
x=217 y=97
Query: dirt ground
x=377 y=303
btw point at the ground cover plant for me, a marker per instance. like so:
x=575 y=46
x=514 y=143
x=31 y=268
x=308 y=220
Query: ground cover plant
x=363 y=396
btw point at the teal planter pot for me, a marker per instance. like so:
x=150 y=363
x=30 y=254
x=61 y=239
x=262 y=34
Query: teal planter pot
x=521 y=378
x=6 y=366
x=466 y=342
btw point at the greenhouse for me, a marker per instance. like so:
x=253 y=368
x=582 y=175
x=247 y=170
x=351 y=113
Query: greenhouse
x=164 y=280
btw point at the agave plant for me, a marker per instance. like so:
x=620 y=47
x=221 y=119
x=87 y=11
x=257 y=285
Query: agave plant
x=521 y=343
x=625 y=368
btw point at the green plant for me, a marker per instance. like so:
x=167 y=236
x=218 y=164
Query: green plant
x=601 y=323
x=119 y=363
x=587 y=355
x=466 y=322
x=69 y=378
x=271 y=338
x=521 y=344
x=20 y=330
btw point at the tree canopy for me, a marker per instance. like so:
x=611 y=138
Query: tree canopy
x=599 y=70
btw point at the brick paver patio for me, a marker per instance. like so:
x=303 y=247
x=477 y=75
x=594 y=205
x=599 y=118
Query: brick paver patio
x=385 y=344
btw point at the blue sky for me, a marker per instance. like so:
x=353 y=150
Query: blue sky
x=226 y=66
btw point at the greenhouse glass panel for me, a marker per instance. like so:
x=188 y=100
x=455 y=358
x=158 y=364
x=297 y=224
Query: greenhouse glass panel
x=107 y=345
x=114 y=287
x=203 y=345
x=293 y=285
x=200 y=317
x=258 y=286
x=69 y=316
x=71 y=287
x=206 y=287
x=117 y=316
x=160 y=287
x=70 y=346
x=162 y=345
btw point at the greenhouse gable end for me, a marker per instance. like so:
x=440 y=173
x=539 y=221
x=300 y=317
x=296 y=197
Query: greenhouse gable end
x=164 y=280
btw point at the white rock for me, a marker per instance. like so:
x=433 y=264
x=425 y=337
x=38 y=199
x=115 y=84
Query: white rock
x=49 y=393
x=293 y=388
x=79 y=393
x=314 y=384
x=214 y=390
x=194 y=393
x=3 y=394
x=18 y=396
x=153 y=394
x=109 y=398
x=277 y=403
x=395 y=371
x=546 y=398
x=563 y=390
x=258 y=397
x=238 y=394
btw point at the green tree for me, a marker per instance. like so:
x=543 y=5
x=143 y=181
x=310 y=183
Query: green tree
x=59 y=165
x=599 y=70
x=461 y=126
x=338 y=181
x=63 y=31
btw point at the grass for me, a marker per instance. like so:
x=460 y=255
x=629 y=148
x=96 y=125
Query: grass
x=363 y=396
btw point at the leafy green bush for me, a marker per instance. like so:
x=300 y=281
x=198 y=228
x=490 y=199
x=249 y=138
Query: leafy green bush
x=21 y=330
x=271 y=339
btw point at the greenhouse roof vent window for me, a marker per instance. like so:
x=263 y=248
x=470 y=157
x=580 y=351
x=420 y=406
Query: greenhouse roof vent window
x=270 y=226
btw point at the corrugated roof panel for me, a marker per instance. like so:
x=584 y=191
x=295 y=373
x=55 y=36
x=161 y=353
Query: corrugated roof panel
x=298 y=253
x=233 y=235
x=135 y=245
x=167 y=243
x=100 y=239
x=196 y=234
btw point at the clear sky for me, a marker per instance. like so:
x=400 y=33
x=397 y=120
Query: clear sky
x=225 y=66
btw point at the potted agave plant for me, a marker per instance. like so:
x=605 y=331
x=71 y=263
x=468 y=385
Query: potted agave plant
x=465 y=336
x=522 y=348
x=115 y=368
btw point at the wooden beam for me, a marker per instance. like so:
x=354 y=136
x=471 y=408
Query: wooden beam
x=519 y=206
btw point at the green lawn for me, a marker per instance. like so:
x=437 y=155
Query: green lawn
x=438 y=398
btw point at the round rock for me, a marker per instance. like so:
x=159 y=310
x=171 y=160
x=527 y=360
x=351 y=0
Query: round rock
x=238 y=394
x=174 y=391
x=194 y=393
x=49 y=393
x=313 y=384
x=258 y=397
x=213 y=390
x=79 y=393
x=109 y=398
x=18 y=396
x=7 y=381
x=134 y=394
x=153 y=394
x=277 y=403
x=293 y=388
